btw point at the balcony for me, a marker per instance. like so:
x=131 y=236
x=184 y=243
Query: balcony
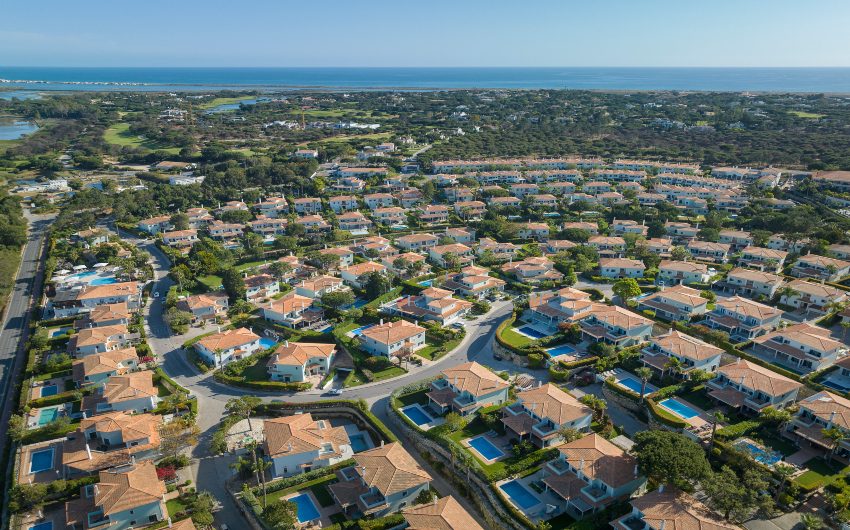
x=558 y=466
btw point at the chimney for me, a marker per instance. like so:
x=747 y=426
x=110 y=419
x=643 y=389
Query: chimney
x=286 y=344
x=581 y=465
x=661 y=526
x=382 y=443
x=382 y=321
x=88 y=451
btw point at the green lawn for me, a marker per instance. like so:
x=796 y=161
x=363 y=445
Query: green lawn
x=9 y=260
x=698 y=397
x=820 y=473
x=515 y=339
x=369 y=136
x=806 y=115
x=318 y=486
x=430 y=349
x=416 y=397
x=215 y=102
x=119 y=134
x=257 y=371
x=174 y=506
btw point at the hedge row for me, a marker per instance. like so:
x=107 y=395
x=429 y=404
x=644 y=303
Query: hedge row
x=661 y=415
x=270 y=386
x=730 y=432
x=299 y=479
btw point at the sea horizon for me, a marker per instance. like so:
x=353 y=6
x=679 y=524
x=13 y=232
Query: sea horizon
x=798 y=79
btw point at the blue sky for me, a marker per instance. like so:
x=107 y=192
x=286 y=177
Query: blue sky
x=425 y=33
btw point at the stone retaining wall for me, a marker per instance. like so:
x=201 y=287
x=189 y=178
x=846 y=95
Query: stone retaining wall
x=622 y=401
x=508 y=355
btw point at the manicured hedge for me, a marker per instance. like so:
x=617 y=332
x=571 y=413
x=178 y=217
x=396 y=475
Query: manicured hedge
x=269 y=386
x=731 y=432
x=662 y=416
x=296 y=480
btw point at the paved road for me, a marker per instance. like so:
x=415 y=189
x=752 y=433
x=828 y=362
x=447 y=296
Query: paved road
x=15 y=330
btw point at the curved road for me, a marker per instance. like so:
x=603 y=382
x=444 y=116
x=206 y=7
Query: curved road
x=212 y=472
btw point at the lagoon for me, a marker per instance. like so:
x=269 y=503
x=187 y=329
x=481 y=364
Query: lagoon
x=11 y=129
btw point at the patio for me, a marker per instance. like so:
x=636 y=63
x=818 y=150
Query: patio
x=533 y=484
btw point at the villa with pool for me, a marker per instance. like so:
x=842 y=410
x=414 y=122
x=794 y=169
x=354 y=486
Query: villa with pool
x=466 y=388
x=96 y=369
x=823 y=410
x=748 y=387
x=297 y=444
x=670 y=508
x=221 y=348
x=692 y=353
x=297 y=361
x=616 y=325
x=540 y=413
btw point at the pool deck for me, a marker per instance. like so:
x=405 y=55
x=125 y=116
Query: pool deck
x=42 y=477
x=324 y=512
x=538 y=511
x=435 y=419
x=502 y=443
x=35 y=391
x=700 y=420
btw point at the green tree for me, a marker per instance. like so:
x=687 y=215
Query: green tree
x=645 y=375
x=242 y=407
x=455 y=422
x=626 y=289
x=280 y=515
x=279 y=269
x=833 y=435
x=670 y=458
x=597 y=405
x=233 y=283
x=180 y=221
x=336 y=299
x=376 y=284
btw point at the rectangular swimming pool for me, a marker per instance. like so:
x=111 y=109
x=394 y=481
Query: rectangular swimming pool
x=46 y=525
x=486 y=448
x=678 y=408
x=426 y=283
x=41 y=460
x=47 y=415
x=49 y=390
x=306 y=510
x=759 y=454
x=417 y=415
x=627 y=380
x=358 y=442
x=563 y=349
x=519 y=494
x=531 y=332
x=358 y=331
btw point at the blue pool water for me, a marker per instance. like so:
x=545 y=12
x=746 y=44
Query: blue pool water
x=82 y=275
x=486 y=448
x=519 y=494
x=41 y=461
x=327 y=329
x=358 y=304
x=358 y=442
x=679 y=408
x=561 y=350
x=358 y=331
x=426 y=283
x=49 y=390
x=104 y=281
x=47 y=415
x=58 y=331
x=632 y=384
x=266 y=343
x=417 y=415
x=765 y=456
x=531 y=332
x=307 y=511
x=47 y=525
x=833 y=384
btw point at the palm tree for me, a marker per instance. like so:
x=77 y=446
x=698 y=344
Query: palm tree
x=597 y=405
x=717 y=417
x=834 y=435
x=785 y=472
x=811 y=521
x=673 y=365
x=787 y=292
x=569 y=434
x=218 y=355
x=845 y=325
x=645 y=374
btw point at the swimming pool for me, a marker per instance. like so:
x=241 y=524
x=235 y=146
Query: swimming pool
x=47 y=415
x=107 y=280
x=531 y=332
x=634 y=384
x=833 y=384
x=678 y=408
x=41 y=460
x=358 y=442
x=49 y=390
x=358 y=331
x=760 y=454
x=485 y=448
x=417 y=415
x=426 y=283
x=58 y=331
x=46 y=525
x=327 y=329
x=563 y=349
x=306 y=510
x=266 y=343
x=519 y=494
x=360 y=302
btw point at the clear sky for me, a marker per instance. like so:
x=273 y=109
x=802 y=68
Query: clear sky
x=425 y=33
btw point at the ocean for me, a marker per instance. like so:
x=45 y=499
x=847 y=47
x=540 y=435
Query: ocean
x=833 y=80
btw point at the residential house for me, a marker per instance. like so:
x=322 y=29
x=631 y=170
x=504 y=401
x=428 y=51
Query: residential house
x=432 y=304
x=811 y=296
x=354 y=222
x=132 y=392
x=533 y=270
x=742 y=318
x=319 y=286
x=608 y=246
x=671 y=509
x=522 y=189
x=205 y=307
x=357 y=275
x=383 y=481
x=590 y=474
x=505 y=202
x=438 y=254
x=470 y=209
x=417 y=242
x=615 y=325
x=676 y=303
x=155 y=225
x=817 y=413
x=400 y=338
x=554 y=246
x=375 y=201
x=343 y=203
x=660 y=246
x=465 y=236
x=295 y=362
x=345 y=255
x=763 y=259
x=261 y=286
x=392 y=215
x=689 y=353
x=840 y=251
x=72 y=302
x=596 y=187
x=540 y=413
x=747 y=386
x=584 y=226
x=313 y=224
x=538 y=231
x=97 y=368
x=466 y=388
x=434 y=214
x=707 y=250
x=125 y=497
x=474 y=282
x=225 y=231
x=307 y=205
x=223 y=347
x=443 y=514
x=551 y=308
x=781 y=242
x=625 y=226
x=497 y=251
x=621 y=268
x=273 y=207
x=752 y=283
x=680 y=232
x=90 y=238
x=299 y=444
x=292 y=310
x=682 y=272
x=814 y=266
x=89 y=341
x=104 y=315
x=736 y=239
x=545 y=201
x=269 y=227
x=802 y=347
